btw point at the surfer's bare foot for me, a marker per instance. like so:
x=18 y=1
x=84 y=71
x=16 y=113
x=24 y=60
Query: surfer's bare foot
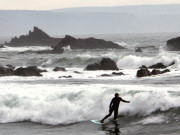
x=102 y=121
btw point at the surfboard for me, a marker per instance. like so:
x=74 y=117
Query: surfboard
x=99 y=122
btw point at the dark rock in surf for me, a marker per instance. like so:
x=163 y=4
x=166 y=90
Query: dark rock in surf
x=10 y=66
x=59 y=69
x=165 y=71
x=66 y=76
x=77 y=72
x=119 y=73
x=88 y=43
x=6 y=71
x=155 y=72
x=158 y=66
x=29 y=71
x=35 y=38
x=138 y=49
x=173 y=44
x=2 y=46
x=113 y=74
x=106 y=75
x=143 y=72
x=105 y=64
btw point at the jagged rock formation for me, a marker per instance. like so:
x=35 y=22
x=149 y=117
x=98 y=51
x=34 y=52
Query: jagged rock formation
x=173 y=44
x=88 y=43
x=34 y=38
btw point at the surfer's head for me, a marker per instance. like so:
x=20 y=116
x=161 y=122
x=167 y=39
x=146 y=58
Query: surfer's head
x=116 y=95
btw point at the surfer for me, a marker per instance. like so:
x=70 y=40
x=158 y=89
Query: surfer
x=114 y=105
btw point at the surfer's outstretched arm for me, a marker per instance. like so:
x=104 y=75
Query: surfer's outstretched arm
x=125 y=101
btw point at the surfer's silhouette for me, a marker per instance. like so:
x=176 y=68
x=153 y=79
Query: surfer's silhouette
x=114 y=105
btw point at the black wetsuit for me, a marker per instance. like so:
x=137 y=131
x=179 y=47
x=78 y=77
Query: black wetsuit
x=114 y=105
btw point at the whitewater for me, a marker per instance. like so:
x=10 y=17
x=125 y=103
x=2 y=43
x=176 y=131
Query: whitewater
x=52 y=105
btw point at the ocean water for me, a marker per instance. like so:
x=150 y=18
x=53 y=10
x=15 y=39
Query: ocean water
x=50 y=105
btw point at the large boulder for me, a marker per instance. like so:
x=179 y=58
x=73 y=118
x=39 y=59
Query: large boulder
x=29 y=71
x=105 y=64
x=88 y=43
x=35 y=38
x=143 y=71
x=173 y=44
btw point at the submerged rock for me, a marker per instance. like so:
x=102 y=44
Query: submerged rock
x=105 y=64
x=59 y=69
x=69 y=76
x=88 y=43
x=155 y=72
x=138 y=49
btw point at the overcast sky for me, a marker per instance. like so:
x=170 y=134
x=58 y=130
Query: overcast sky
x=56 y=4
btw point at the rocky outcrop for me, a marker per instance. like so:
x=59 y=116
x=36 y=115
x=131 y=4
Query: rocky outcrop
x=138 y=49
x=105 y=64
x=59 y=69
x=88 y=43
x=173 y=44
x=143 y=71
x=35 y=38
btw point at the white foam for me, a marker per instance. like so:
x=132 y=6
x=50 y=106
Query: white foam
x=26 y=48
x=133 y=61
x=62 y=103
x=153 y=120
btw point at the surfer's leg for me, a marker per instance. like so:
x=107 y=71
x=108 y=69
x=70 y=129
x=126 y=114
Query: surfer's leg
x=115 y=114
x=110 y=113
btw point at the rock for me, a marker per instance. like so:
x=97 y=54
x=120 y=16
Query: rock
x=120 y=73
x=2 y=46
x=173 y=44
x=158 y=66
x=77 y=72
x=88 y=43
x=106 y=75
x=59 y=69
x=6 y=71
x=10 y=66
x=105 y=64
x=138 y=49
x=29 y=71
x=66 y=76
x=155 y=72
x=172 y=63
x=165 y=71
x=143 y=72
x=113 y=74
x=35 y=38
